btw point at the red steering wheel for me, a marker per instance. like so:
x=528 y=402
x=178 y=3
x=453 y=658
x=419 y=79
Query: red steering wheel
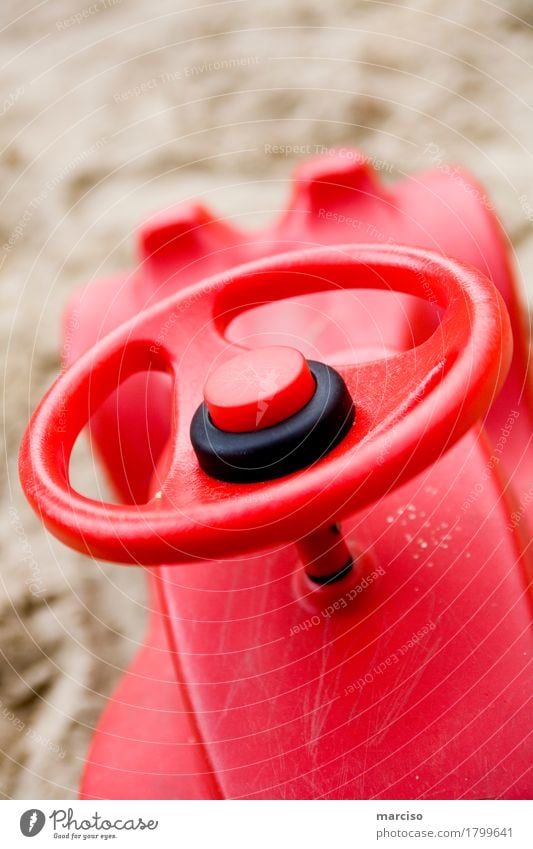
x=410 y=407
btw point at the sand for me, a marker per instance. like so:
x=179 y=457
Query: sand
x=111 y=110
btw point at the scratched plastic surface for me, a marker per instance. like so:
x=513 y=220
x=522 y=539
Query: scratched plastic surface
x=306 y=701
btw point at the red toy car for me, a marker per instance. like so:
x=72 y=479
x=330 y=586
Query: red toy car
x=325 y=425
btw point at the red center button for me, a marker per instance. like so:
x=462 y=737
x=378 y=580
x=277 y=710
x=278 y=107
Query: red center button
x=258 y=389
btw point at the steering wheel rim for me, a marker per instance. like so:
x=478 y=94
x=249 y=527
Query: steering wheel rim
x=410 y=407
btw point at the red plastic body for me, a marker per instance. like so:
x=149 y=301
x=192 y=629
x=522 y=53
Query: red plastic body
x=410 y=679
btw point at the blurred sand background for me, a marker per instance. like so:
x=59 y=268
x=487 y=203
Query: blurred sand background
x=90 y=146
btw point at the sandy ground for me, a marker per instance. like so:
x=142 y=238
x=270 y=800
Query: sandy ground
x=113 y=109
